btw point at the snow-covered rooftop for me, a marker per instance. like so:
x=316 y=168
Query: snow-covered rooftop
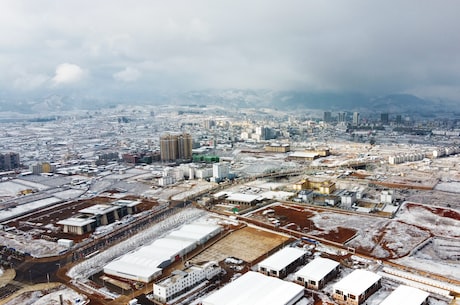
x=146 y=262
x=170 y=243
x=406 y=295
x=76 y=221
x=99 y=209
x=201 y=228
x=254 y=288
x=243 y=197
x=317 y=269
x=282 y=258
x=357 y=282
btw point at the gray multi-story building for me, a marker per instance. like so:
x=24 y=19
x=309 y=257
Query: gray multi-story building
x=9 y=161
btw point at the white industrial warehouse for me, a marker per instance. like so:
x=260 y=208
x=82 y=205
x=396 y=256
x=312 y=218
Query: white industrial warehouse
x=406 y=295
x=317 y=273
x=254 y=288
x=146 y=263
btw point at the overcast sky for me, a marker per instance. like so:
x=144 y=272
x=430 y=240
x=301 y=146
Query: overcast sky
x=140 y=47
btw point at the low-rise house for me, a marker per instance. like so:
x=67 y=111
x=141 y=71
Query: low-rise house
x=283 y=262
x=356 y=287
x=317 y=273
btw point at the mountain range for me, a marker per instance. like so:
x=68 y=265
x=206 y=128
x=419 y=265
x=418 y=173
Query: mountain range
x=236 y=98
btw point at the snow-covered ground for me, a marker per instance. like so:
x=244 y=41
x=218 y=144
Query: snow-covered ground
x=452 y=187
x=23 y=208
x=424 y=216
x=13 y=187
x=35 y=247
x=194 y=188
x=52 y=297
x=69 y=194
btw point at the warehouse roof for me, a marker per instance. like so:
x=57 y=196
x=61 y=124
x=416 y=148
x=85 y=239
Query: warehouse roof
x=406 y=295
x=240 y=197
x=170 y=243
x=254 y=288
x=357 y=282
x=76 y=221
x=317 y=269
x=282 y=258
x=201 y=228
x=99 y=209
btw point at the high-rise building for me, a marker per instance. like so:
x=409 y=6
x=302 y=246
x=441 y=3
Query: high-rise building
x=176 y=147
x=9 y=161
x=398 y=119
x=184 y=146
x=327 y=117
x=342 y=117
x=355 y=118
x=384 y=118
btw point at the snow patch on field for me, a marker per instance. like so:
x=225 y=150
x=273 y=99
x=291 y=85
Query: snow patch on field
x=69 y=296
x=422 y=216
x=451 y=187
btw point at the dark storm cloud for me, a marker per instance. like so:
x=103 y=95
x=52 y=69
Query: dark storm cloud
x=362 y=46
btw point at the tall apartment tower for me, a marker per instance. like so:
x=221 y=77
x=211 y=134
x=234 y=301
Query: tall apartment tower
x=355 y=118
x=175 y=147
x=384 y=118
x=9 y=161
x=342 y=117
x=327 y=117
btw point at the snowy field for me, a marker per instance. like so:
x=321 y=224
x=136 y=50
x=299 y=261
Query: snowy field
x=194 y=188
x=451 y=187
x=69 y=194
x=436 y=220
x=45 y=297
x=379 y=236
x=35 y=247
x=23 y=208
x=13 y=187
x=437 y=254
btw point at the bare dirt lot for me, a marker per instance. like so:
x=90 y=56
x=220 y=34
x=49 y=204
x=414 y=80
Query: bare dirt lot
x=247 y=244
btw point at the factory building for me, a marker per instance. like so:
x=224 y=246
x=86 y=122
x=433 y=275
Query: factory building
x=278 y=148
x=182 y=281
x=146 y=263
x=325 y=187
x=317 y=273
x=253 y=288
x=98 y=215
x=356 y=287
x=282 y=262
